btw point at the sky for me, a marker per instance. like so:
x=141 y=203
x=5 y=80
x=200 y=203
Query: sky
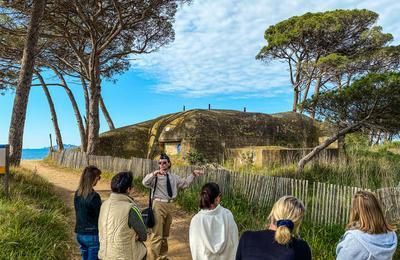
x=212 y=61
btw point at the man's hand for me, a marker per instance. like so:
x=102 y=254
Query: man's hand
x=158 y=173
x=197 y=173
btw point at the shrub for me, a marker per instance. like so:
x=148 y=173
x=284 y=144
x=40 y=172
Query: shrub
x=196 y=158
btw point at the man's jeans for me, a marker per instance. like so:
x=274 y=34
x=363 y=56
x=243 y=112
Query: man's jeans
x=89 y=246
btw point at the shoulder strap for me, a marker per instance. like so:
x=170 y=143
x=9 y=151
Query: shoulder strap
x=154 y=191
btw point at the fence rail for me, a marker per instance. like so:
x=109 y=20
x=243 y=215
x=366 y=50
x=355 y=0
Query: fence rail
x=326 y=204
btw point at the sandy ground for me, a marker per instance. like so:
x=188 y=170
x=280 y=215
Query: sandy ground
x=66 y=181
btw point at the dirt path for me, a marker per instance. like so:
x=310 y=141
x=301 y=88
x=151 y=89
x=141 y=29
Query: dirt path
x=66 y=182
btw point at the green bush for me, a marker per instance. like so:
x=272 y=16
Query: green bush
x=248 y=158
x=196 y=158
x=34 y=222
x=357 y=141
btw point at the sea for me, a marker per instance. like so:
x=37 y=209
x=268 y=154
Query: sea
x=40 y=153
x=34 y=154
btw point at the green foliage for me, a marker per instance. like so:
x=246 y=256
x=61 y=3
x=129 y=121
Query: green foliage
x=137 y=185
x=329 y=49
x=389 y=145
x=33 y=223
x=196 y=158
x=373 y=101
x=381 y=59
x=356 y=140
x=336 y=60
x=8 y=69
x=327 y=32
x=322 y=239
x=369 y=103
x=248 y=158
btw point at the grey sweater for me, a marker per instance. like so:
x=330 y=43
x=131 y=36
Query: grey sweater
x=161 y=191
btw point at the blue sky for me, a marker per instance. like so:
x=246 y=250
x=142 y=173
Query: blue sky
x=211 y=61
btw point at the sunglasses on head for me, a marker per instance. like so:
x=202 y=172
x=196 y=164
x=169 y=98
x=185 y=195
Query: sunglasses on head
x=162 y=163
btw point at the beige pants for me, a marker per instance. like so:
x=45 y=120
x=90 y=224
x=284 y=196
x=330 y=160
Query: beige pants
x=160 y=232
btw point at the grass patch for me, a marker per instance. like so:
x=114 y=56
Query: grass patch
x=362 y=167
x=34 y=222
x=365 y=168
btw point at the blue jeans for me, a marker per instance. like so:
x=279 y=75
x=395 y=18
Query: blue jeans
x=89 y=246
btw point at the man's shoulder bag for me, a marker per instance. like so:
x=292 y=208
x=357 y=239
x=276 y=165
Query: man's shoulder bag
x=147 y=213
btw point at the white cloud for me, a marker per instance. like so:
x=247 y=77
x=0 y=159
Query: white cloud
x=216 y=43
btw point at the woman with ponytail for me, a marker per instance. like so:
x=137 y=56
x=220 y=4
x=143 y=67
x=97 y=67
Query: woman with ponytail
x=213 y=233
x=279 y=240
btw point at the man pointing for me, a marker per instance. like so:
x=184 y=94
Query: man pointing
x=164 y=186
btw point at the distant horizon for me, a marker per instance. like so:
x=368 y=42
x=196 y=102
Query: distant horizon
x=47 y=147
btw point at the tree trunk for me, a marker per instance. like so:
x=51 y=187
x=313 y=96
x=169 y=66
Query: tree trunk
x=316 y=94
x=78 y=117
x=53 y=113
x=74 y=104
x=306 y=90
x=17 y=123
x=387 y=137
x=319 y=148
x=86 y=95
x=371 y=137
x=94 y=91
x=106 y=114
x=378 y=137
x=296 y=86
x=295 y=98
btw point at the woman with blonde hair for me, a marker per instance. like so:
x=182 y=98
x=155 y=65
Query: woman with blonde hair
x=368 y=235
x=279 y=240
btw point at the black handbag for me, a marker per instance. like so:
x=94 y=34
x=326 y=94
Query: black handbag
x=147 y=213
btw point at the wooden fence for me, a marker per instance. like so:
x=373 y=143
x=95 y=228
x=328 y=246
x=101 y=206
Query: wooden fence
x=326 y=204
